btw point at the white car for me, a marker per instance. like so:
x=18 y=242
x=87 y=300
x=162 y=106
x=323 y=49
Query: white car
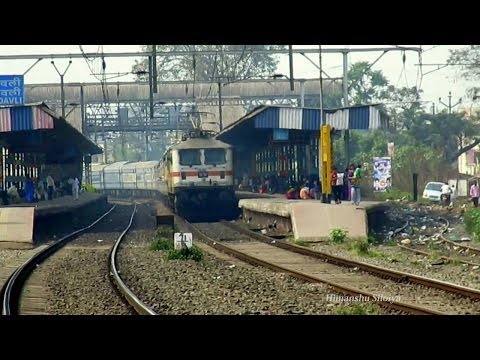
x=433 y=191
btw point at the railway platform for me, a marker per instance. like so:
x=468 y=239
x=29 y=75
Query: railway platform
x=20 y=223
x=309 y=220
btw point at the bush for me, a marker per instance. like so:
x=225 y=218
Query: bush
x=338 y=235
x=393 y=194
x=360 y=246
x=472 y=223
x=193 y=253
x=89 y=188
x=161 y=244
x=164 y=232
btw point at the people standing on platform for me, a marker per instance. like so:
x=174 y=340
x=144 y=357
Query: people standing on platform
x=75 y=187
x=347 y=187
x=40 y=190
x=29 y=190
x=475 y=193
x=12 y=193
x=355 y=181
x=337 y=187
x=318 y=190
x=305 y=192
x=50 y=187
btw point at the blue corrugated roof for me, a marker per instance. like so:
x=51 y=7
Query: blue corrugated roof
x=268 y=119
x=362 y=117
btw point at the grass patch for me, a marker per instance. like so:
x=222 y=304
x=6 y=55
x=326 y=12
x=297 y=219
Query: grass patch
x=360 y=246
x=357 y=309
x=338 y=235
x=390 y=242
x=393 y=194
x=161 y=244
x=432 y=246
x=302 y=243
x=163 y=238
x=455 y=261
x=472 y=223
x=192 y=253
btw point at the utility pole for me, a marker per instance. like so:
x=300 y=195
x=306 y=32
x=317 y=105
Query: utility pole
x=220 y=105
x=290 y=58
x=346 y=138
x=449 y=106
x=149 y=119
x=62 y=90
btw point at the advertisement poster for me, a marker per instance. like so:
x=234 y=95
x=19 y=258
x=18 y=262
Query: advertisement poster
x=382 y=173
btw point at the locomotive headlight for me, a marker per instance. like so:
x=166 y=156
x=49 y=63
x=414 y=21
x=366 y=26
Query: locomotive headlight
x=222 y=174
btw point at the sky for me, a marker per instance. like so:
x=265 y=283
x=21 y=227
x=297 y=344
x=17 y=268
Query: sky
x=434 y=85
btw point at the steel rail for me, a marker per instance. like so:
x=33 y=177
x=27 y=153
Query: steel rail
x=139 y=306
x=10 y=293
x=409 y=308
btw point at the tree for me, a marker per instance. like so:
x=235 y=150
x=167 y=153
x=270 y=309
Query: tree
x=405 y=106
x=247 y=64
x=469 y=59
x=365 y=85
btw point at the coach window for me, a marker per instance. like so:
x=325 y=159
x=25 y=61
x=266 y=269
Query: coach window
x=214 y=156
x=190 y=157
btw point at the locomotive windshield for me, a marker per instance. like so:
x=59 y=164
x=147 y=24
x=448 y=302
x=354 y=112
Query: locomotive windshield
x=214 y=156
x=190 y=157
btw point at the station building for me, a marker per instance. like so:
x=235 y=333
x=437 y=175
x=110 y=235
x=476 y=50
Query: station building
x=37 y=142
x=283 y=141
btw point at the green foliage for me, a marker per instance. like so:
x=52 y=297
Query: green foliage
x=163 y=238
x=302 y=243
x=89 y=188
x=360 y=246
x=359 y=309
x=472 y=223
x=193 y=253
x=338 y=235
x=228 y=67
x=161 y=244
x=432 y=246
x=468 y=58
x=165 y=232
x=393 y=194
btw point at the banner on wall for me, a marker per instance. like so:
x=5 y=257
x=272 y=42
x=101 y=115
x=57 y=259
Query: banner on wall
x=382 y=174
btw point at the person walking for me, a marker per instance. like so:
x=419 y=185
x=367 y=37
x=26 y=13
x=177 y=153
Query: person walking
x=356 y=178
x=474 y=193
x=50 y=187
x=75 y=187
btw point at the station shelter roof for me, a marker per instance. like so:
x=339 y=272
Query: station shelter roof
x=256 y=126
x=34 y=128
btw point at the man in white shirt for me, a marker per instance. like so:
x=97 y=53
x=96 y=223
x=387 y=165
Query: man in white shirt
x=447 y=194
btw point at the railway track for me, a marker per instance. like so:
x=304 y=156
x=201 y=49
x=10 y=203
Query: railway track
x=18 y=298
x=390 y=289
x=451 y=252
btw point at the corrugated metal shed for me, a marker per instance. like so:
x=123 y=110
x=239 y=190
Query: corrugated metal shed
x=34 y=128
x=277 y=117
x=23 y=118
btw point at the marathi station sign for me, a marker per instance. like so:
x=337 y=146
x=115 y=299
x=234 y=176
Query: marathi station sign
x=11 y=90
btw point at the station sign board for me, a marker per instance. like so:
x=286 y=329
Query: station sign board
x=12 y=90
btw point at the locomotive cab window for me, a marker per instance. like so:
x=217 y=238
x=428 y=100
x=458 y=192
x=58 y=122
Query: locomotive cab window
x=189 y=157
x=215 y=156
